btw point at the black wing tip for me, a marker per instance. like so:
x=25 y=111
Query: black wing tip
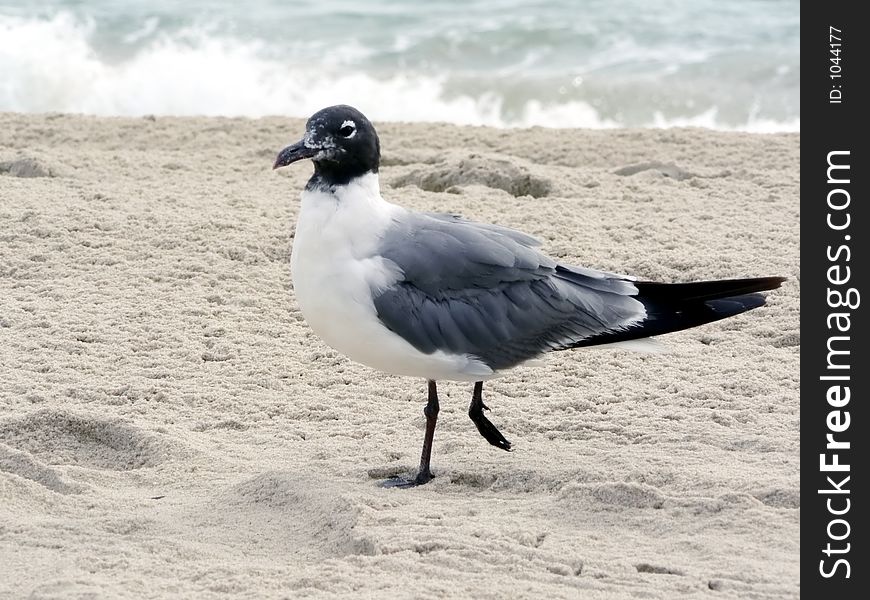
x=707 y=290
x=770 y=283
x=677 y=306
x=734 y=305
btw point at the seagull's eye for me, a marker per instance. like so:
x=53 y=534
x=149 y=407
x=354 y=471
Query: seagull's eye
x=347 y=131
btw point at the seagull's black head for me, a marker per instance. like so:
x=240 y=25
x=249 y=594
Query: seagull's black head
x=341 y=141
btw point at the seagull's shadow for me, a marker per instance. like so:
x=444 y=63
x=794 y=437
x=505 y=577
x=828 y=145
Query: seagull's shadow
x=402 y=483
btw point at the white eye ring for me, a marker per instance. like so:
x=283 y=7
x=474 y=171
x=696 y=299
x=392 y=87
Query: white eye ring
x=347 y=125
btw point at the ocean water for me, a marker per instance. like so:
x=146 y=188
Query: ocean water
x=560 y=63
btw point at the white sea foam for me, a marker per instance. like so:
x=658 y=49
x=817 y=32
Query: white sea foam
x=54 y=65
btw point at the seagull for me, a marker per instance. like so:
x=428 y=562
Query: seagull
x=439 y=297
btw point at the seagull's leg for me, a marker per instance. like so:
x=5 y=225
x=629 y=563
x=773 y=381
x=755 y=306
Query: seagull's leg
x=431 y=412
x=484 y=426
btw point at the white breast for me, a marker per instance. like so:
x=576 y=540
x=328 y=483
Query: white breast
x=335 y=267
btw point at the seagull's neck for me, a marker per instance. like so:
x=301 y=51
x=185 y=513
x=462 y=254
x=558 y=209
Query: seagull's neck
x=330 y=174
x=352 y=214
x=364 y=189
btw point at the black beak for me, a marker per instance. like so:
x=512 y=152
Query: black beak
x=291 y=154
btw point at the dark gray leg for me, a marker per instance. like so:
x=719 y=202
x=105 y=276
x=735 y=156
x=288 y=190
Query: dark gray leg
x=489 y=431
x=424 y=475
x=431 y=412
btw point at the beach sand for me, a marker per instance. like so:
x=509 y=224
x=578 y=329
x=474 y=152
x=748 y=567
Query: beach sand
x=170 y=427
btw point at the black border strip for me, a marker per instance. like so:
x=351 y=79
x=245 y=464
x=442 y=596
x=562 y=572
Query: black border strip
x=834 y=260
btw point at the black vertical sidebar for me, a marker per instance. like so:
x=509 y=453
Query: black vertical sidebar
x=835 y=364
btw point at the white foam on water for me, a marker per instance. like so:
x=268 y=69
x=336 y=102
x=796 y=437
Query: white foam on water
x=51 y=65
x=708 y=119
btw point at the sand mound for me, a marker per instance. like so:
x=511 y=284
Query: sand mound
x=25 y=465
x=297 y=507
x=497 y=173
x=64 y=438
x=25 y=167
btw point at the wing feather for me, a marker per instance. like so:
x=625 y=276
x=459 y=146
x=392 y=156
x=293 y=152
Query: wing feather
x=485 y=291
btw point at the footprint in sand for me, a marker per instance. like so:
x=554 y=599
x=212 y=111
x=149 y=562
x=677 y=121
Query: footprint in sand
x=63 y=438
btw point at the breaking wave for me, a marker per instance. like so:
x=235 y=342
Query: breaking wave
x=65 y=62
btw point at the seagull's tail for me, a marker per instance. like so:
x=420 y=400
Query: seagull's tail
x=677 y=306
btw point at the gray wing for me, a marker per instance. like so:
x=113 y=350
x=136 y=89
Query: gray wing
x=484 y=290
x=518 y=236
